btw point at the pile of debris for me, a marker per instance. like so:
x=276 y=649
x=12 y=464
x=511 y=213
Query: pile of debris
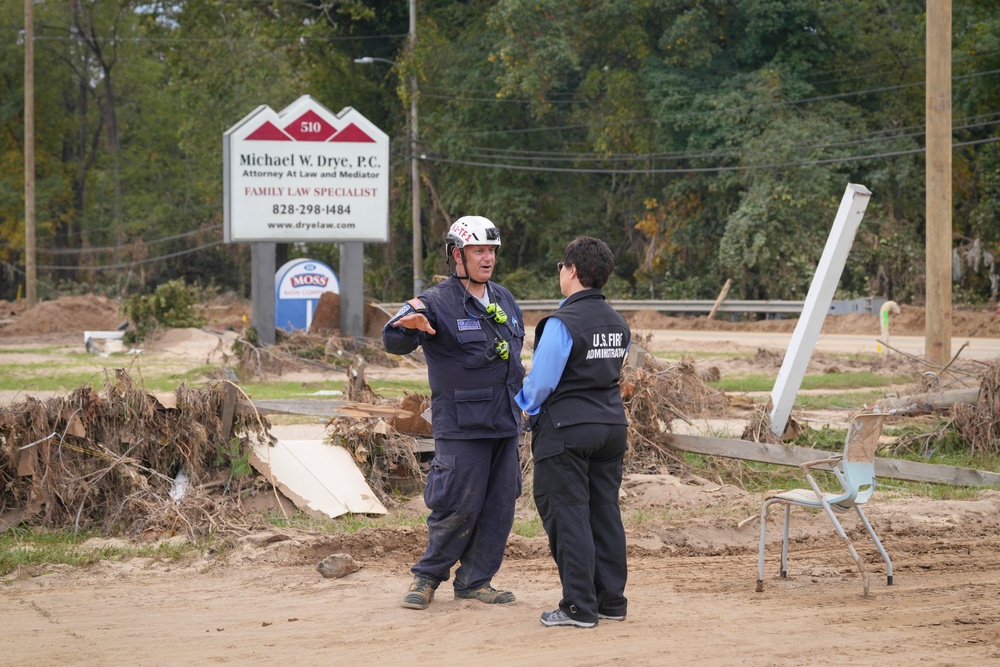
x=387 y=452
x=127 y=461
x=656 y=394
x=978 y=423
x=300 y=349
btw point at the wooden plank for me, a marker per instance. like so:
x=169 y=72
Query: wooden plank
x=720 y=298
x=423 y=445
x=327 y=408
x=364 y=410
x=228 y=409
x=792 y=455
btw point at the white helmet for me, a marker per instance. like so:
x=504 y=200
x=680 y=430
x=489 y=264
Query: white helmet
x=472 y=230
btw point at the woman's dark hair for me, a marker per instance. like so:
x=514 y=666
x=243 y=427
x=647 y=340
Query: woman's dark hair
x=593 y=260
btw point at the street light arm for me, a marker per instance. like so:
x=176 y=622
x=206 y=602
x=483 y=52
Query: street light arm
x=368 y=60
x=418 y=247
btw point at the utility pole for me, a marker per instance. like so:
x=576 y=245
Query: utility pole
x=938 y=183
x=418 y=236
x=29 y=154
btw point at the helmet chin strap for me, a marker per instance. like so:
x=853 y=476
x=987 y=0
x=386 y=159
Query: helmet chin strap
x=471 y=280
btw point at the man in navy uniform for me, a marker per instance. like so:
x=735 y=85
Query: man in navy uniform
x=471 y=333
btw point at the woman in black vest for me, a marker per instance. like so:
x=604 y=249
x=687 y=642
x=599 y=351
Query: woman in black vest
x=579 y=438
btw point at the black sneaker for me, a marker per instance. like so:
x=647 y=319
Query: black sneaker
x=420 y=593
x=559 y=617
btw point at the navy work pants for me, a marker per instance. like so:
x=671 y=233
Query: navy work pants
x=471 y=489
x=578 y=473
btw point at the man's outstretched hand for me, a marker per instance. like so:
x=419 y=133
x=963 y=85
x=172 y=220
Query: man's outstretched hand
x=415 y=321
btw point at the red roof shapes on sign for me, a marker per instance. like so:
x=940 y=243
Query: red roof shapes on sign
x=268 y=132
x=310 y=126
x=352 y=133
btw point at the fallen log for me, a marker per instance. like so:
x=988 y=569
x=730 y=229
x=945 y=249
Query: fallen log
x=929 y=401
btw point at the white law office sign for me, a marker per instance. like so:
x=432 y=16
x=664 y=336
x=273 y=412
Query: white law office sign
x=305 y=174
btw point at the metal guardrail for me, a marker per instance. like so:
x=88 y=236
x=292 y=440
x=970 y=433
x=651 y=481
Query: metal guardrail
x=678 y=306
x=867 y=305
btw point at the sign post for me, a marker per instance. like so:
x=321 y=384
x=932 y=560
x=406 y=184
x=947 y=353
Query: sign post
x=305 y=174
x=817 y=304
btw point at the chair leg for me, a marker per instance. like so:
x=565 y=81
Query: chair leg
x=850 y=545
x=878 y=544
x=760 y=550
x=784 y=542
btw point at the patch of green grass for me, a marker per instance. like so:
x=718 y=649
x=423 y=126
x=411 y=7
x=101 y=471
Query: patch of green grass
x=312 y=390
x=33 y=350
x=49 y=377
x=22 y=547
x=751 y=476
x=28 y=378
x=833 y=381
x=398 y=388
x=193 y=375
x=528 y=527
x=849 y=400
x=854 y=380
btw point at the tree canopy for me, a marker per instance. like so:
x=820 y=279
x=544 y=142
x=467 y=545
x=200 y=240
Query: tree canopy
x=705 y=140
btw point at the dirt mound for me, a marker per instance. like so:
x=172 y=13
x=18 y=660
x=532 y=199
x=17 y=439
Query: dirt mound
x=909 y=322
x=65 y=315
x=227 y=311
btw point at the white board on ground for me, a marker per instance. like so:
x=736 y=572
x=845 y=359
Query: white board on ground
x=322 y=480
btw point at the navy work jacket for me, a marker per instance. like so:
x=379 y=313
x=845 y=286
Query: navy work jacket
x=472 y=395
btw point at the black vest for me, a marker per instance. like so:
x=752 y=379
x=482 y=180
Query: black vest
x=588 y=392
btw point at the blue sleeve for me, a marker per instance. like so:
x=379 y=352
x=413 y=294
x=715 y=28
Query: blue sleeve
x=547 y=364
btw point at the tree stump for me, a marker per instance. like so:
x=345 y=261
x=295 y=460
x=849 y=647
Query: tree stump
x=357 y=388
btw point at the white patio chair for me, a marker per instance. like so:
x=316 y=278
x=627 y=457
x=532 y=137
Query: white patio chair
x=855 y=469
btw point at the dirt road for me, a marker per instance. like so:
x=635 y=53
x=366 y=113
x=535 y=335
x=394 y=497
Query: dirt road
x=691 y=600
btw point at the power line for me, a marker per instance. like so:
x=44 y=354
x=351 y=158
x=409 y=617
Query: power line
x=126 y=265
x=785 y=103
x=223 y=40
x=877 y=136
x=95 y=250
x=696 y=170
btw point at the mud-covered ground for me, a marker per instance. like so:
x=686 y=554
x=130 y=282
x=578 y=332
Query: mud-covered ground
x=691 y=597
x=692 y=548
